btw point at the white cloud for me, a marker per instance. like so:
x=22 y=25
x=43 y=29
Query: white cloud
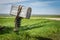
x=24 y=0
x=38 y=7
x=44 y=3
x=10 y=1
x=5 y=9
x=46 y=11
x=44 y=8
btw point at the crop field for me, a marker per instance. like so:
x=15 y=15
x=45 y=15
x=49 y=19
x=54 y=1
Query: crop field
x=31 y=29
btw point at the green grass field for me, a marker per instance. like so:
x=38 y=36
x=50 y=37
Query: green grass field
x=31 y=29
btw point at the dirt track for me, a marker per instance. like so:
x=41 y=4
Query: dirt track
x=47 y=18
x=53 y=18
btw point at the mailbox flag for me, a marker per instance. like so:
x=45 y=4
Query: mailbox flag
x=25 y=12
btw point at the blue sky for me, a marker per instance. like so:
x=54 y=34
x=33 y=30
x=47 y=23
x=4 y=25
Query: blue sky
x=39 y=7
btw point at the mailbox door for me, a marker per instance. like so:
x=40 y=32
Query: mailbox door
x=28 y=13
x=25 y=12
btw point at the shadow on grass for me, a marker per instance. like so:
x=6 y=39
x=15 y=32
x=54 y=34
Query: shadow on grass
x=6 y=29
x=33 y=26
x=42 y=38
x=28 y=37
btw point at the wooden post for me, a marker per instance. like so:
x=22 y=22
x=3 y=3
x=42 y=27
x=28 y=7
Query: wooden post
x=18 y=19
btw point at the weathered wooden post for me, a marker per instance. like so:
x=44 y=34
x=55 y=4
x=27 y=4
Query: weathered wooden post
x=20 y=12
x=18 y=19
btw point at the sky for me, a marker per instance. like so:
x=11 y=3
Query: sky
x=39 y=7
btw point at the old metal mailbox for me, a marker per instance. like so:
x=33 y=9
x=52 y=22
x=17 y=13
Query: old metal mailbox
x=25 y=12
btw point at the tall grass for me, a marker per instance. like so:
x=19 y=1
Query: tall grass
x=31 y=29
